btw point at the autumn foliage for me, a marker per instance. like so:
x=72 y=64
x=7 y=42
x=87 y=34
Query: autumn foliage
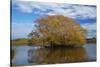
x=57 y=30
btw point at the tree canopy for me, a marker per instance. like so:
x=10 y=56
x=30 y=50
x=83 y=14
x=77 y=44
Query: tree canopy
x=57 y=30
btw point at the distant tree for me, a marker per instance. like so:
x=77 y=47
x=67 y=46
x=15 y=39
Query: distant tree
x=94 y=39
x=57 y=30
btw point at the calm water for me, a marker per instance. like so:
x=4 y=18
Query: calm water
x=26 y=55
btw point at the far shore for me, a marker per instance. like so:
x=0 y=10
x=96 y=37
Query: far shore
x=25 y=41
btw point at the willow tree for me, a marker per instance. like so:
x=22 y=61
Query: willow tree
x=57 y=30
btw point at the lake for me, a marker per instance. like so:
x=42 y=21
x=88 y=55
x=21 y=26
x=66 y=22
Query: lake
x=32 y=55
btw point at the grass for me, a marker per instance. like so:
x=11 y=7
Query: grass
x=20 y=42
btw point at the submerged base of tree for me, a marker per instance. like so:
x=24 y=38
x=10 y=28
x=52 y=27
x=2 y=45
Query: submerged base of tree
x=61 y=46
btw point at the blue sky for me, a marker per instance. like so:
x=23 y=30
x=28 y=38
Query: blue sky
x=25 y=13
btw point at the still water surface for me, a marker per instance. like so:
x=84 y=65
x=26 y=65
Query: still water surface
x=26 y=55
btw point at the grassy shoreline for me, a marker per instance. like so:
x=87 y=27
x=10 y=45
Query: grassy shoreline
x=20 y=42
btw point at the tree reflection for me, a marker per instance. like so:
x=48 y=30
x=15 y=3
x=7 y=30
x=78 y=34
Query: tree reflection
x=58 y=55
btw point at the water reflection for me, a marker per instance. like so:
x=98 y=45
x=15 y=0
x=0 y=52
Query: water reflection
x=57 y=55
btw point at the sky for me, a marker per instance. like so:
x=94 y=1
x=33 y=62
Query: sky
x=24 y=14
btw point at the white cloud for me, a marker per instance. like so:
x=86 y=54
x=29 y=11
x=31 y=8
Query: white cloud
x=91 y=29
x=89 y=26
x=74 y=11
